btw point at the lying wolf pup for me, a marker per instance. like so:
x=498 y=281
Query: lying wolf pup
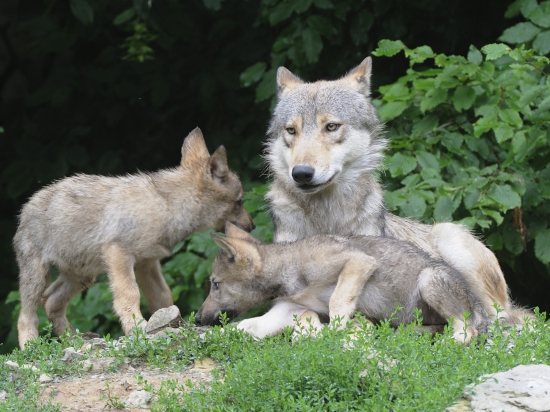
x=337 y=276
x=88 y=225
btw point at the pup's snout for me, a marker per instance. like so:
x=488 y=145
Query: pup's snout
x=303 y=173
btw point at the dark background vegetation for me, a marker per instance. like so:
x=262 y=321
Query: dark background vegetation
x=75 y=97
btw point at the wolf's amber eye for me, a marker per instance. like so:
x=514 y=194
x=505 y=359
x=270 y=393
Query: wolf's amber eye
x=291 y=130
x=215 y=285
x=331 y=127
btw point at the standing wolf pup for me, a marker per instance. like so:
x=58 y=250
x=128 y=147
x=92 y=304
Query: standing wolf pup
x=324 y=144
x=87 y=225
x=338 y=276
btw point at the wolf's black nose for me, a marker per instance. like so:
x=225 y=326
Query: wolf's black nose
x=303 y=173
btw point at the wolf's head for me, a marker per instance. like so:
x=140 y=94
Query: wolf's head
x=235 y=282
x=324 y=132
x=218 y=189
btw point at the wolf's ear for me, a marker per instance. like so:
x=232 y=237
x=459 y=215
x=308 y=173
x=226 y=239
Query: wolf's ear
x=359 y=77
x=194 y=148
x=217 y=164
x=224 y=245
x=286 y=81
x=235 y=232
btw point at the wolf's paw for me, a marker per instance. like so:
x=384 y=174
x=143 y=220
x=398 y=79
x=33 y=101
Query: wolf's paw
x=465 y=336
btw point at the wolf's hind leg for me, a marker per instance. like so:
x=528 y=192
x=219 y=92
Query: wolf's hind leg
x=33 y=278
x=479 y=266
x=120 y=269
x=449 y=295
x=149 y=277
x=56 y=298
x=351 y=281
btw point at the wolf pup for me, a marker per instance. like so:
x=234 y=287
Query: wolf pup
x=338 y=276
x=87 y=225
x=324 y=144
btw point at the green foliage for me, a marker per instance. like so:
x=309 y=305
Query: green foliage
x=534 y=33
x=469 y=142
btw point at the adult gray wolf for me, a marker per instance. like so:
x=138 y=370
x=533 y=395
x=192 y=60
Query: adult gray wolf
x=87 y=225
x=324 y=144
x=338 y=276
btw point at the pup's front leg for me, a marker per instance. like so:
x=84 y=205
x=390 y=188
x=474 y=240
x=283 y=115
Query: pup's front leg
x=120 y=269
x=351 y=281
x=149 y=277
x=282 y=314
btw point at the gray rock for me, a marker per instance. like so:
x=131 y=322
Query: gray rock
x=523 y=388
x=44 y=378
x=164 y=318
x=3 y=395
x=70 y=354
x=137 y=399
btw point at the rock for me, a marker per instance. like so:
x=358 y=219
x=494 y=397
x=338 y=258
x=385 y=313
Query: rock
x=97 y=364
x=11 y=364
x=44 y=378
x=162 y=333
x=69 y=355
x=523 y=388
x=137 y=399
x=164 y=318
x=3 y=395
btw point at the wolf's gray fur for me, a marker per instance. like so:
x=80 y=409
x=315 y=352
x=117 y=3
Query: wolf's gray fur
x=87 y=225
x=338 y=276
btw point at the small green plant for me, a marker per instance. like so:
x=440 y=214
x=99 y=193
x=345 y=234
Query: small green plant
x=112 y=401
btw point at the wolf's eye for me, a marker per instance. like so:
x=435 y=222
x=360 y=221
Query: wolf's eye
x=215 y=285
x=291 y=130
x=331 y=127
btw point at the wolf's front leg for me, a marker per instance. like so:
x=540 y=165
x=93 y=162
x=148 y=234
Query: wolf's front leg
x=282 y=314
x=351 y=281
x=149 y=277
x=120 y=269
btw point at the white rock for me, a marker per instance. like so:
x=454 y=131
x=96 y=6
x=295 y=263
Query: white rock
x=138 y=398
x=44 y=378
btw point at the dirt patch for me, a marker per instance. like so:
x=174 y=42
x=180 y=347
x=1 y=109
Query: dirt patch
x=99 y=391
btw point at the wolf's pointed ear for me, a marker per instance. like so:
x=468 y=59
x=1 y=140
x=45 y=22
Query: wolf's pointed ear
x=194 y=148
x=286 y=81
x=224 y=245
x=359 y=77
x=217 y=164
x=234 y=231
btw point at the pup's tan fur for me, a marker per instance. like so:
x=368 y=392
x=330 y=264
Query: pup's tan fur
x=87 y=225
x=325 y=142
x=338 y=276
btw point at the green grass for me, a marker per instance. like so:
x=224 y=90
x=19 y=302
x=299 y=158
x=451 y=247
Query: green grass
x=377 y=370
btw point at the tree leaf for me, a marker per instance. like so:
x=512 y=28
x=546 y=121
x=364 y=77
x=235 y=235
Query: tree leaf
x=124 y=17
x=266 y=87
x=427 y=160
x=401 y=165
x=388 y=48
x=252 y=74
x=301 y=5
x=520 y=33
x=503 y=133
x=511 y=116
x=542 y=246
x=504 y=195
x=542 y=43
x=444 y=209
x=433 y=98
x=463 y=97
x=82 y=11
x=313 y=44
x=474 y=55
x=213 y=5
x=512 y=240
x=495 y=50
x=391 y=110
x=323 y=4
x=414 y=207
x=541 y=15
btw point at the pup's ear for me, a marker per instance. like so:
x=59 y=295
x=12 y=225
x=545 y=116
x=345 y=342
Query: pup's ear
x=286 y=81
x=236 y=232
x=217 y=164
x=239 y=250
x=194 y=148
x=358 y=78
x=224 y=245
